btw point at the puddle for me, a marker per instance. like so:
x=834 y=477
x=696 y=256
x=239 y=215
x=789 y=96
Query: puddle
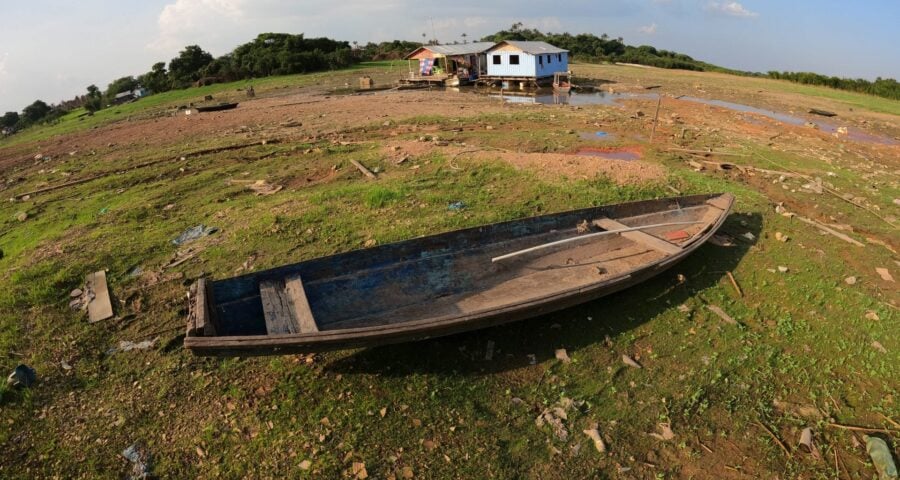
x=598 y=135
x=574 y=98
x=608 y=154
x=827 y=127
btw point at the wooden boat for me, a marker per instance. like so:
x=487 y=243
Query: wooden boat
x=562 y=82
x=217 y=108
x=450 y=282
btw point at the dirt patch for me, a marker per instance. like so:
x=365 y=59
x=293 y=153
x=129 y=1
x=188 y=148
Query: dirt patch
x=576 y=166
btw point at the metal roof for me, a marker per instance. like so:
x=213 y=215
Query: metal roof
x=458 y=49
x=534 y=48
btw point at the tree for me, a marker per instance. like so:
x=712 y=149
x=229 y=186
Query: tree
x=157 y=79
x=35 y=112
x=187 y=66
x=9 y=119
x=94 y=99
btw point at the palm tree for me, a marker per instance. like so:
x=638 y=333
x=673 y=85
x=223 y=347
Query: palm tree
x=464 y=37
x=423 y=38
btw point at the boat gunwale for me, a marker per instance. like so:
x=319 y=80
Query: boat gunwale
x=387 y=332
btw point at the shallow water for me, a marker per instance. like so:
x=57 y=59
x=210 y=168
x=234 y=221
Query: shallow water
x=575 y=98
x=827 y=127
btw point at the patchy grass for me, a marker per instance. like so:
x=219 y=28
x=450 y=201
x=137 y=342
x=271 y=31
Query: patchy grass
x=801 y=354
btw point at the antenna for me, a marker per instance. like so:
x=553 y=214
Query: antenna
x=433 y=34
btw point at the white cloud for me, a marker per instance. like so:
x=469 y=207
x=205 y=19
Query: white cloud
x=732 y=9
x=184 y=21
x=648 y=29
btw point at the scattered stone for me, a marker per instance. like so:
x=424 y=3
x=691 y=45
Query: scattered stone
x=456 y=206
x=127 y=346
x=358 y=471
x=665 y=433
x=21 y=216
x=76 y=293
x=140 y=462
x=563 y=356
x=370 y=243
x=594 y=435
x=684 y=308
x=749 y=236
x=194 y=233
x=305 y=465
x=406 y=472
x=489 y=127
x=806 y=443
x=850 y=280
x=782 y=269
x=630 y=362
x=781 y=237
x=21 y=376
x=872 y=315
x=885 y=274
x=878 y=346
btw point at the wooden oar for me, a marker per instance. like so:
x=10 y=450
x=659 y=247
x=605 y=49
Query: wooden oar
x=591 y=235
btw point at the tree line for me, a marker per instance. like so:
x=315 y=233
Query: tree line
x=882 y=87
x=283 y=54
x=268 y=54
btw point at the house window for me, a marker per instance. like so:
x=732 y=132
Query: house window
x=513 y=59
x=496 y=59
x=559 y=57
x=540 y=60
x=549 y=59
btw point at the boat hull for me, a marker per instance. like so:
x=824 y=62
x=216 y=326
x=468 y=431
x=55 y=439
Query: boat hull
x=496 y=302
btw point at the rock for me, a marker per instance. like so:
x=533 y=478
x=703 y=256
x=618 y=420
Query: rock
x=563 y=356
x=782 y=269
x=22 y=376
x=878 y=346
x=665 y=433
x=781 y=237
x=872 y=315
x=140 y=462
x=21 y=216
x=630 y=362
x=595 y=437
x=489 y=127
x=304 y=465
x=885 y=274
x=850 y=280
x=76 y=293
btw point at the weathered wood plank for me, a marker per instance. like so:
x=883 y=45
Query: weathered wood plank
x=294 y=289
x=277 y=308
x=644 y=238
x=201 y=321
x=99 y=305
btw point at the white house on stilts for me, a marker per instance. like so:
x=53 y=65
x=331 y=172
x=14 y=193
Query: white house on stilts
x=520 y=64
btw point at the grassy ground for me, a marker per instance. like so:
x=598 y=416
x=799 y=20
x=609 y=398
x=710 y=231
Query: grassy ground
x=802 y=354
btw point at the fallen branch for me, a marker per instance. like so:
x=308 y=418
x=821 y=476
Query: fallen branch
x=774 y=437
x=829 y=230
x=860 y=429
x=362 y=168
x=735 y=284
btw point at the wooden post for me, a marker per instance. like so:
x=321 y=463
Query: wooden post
x=655 y=118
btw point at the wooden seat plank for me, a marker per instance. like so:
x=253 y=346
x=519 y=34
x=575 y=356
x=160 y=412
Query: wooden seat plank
x=644 y=238
x=302 y=311
x=277 y=308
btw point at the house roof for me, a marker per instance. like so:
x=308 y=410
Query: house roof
x=534 y=48
x=124 y=94
x=453 y=50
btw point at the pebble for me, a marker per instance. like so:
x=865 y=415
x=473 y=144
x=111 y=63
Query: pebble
x=782 y=269
x=850 y=280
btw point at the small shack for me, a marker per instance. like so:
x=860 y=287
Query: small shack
x=525 y=63
x=447 y=65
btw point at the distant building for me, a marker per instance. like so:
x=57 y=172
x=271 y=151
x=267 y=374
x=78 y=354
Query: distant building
x=533 y=62
x=130 y=96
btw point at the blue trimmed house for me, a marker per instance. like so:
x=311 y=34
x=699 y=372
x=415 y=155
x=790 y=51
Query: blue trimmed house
x=529 y=62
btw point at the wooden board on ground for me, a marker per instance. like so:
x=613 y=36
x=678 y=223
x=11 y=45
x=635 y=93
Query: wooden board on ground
x=99 y=305
x=644 y=238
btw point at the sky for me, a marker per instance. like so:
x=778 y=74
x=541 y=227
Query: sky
x=53 y=49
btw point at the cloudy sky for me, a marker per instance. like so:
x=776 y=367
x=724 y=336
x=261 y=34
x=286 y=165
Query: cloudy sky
x=53 y=49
